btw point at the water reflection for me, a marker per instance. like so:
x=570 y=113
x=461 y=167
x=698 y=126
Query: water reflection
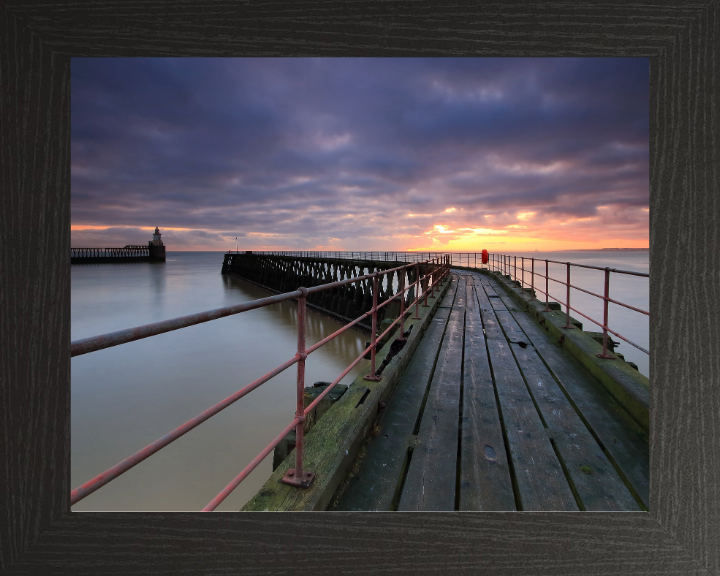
x=317 y=325
x=157 y=280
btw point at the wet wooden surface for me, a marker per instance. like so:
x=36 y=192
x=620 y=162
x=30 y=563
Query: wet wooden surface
x=503 y=419
x=431 y=477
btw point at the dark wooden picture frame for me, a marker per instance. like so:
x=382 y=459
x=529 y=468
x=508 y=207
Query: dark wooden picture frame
x=38 y=533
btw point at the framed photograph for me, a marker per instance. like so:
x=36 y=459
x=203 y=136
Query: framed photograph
x=676 y=530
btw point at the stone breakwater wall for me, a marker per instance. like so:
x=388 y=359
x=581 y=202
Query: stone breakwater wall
x=286 y=273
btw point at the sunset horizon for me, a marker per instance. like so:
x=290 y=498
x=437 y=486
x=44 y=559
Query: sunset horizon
x=321 y=154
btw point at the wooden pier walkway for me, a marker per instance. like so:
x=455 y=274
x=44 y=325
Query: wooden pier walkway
x=491 y=414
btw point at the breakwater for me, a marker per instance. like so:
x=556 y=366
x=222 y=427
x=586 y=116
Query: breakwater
x=127 y=254
x=153 y=252
x=281 y=273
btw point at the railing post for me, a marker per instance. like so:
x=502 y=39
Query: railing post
x=515 y=265
x=425 y=305
x=522 y=271
x=401 y=291
x=430 y=277
x=373 y=336
x=567 y=301
x=417 y=292
x=547 y=295
x=605 y=354
x=431 y=272
x=297 y=476
x=532 y=278
x=433 y=276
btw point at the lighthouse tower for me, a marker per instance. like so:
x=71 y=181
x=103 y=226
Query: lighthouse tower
x=157 y=249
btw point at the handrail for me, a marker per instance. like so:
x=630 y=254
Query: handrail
x=506 y=264
x=384 y=256
x=95 y=343
x=438 y=269
x=502 y=263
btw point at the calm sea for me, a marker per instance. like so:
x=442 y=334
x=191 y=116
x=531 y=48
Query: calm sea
x=125 y=397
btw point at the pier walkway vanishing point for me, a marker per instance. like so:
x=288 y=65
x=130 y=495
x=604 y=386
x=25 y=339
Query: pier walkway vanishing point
x=491 y=414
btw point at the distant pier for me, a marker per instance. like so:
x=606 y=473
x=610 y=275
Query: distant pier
x=281 y=273
x=153 y=252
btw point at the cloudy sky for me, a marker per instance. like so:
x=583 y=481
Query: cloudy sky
x=361 y=154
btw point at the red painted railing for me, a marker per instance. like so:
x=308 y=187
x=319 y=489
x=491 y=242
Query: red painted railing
x=508 y=265
x=438 y=269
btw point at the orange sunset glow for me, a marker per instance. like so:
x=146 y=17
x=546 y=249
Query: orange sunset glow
x=361 y=154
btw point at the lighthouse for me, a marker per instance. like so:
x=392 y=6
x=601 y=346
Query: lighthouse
x=157 y=249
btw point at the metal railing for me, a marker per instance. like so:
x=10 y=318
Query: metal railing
x=508 y=265
x=437 y=269
x=372 y=256
x=467 y=259
x=125 y=252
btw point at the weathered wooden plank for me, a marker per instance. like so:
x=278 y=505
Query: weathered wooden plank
x=510 y=304
x=630 y=388
x=482 y=297
x=485 y=480
x=593 y=476
x=494 y=297
x=461 y=295
x=431 y=479
x=470 y=297
x=497 y=304
x=512 y=330
x=374 y=485
x=623 y=440
x=490 y=323
x=541 y=482
x=449 y=298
